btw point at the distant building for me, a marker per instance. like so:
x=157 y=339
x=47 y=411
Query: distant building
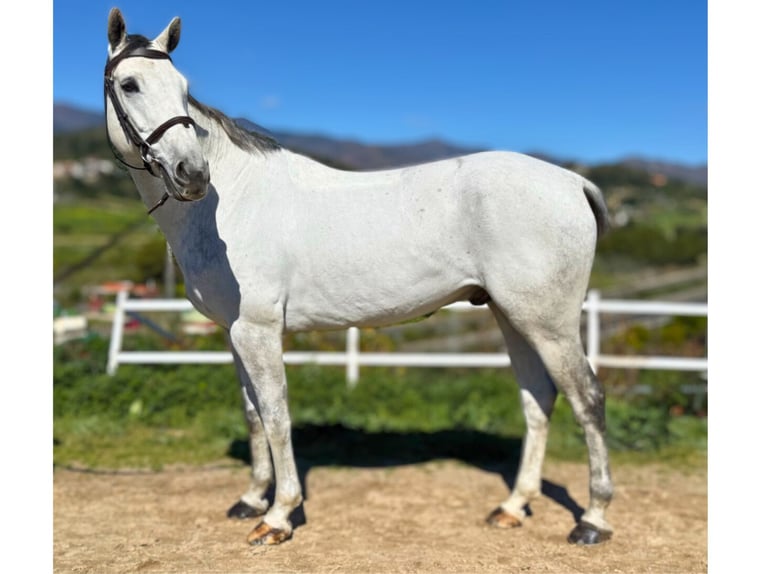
x=88 y=169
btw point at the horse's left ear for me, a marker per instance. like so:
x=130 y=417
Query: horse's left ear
x=170 y=36
x=115 y=29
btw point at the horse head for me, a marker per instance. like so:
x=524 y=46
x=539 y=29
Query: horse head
x=146 y=104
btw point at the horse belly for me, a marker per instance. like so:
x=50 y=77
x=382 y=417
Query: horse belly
x=340 y=310
x=393 y=285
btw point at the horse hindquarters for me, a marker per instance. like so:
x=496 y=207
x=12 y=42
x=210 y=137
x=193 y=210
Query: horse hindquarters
x=537 y=285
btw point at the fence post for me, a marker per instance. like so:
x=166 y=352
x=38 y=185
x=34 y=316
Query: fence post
x=118 y=323
x=593 y=334
x=352 y=357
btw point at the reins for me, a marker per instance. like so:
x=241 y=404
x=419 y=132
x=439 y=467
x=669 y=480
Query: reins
x=143 y=145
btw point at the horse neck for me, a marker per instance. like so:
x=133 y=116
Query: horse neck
x=229 y=164
x=230 y=168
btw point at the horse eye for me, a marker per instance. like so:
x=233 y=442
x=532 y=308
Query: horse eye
x=129 y=86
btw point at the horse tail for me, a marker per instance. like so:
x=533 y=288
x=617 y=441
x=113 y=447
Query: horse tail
x=598 y=206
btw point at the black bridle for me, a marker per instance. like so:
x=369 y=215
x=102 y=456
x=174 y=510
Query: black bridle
x=143 y=145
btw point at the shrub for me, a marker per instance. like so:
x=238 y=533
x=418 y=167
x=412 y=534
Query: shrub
x=204 y=401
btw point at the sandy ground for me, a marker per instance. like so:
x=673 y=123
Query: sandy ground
x=423 y=517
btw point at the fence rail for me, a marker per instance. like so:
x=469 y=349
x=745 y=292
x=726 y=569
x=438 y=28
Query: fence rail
x=353 y=358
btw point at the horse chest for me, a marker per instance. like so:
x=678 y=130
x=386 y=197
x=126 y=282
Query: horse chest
x=212 y=288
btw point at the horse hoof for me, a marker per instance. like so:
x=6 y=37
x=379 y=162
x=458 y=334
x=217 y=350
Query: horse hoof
x=263 y=534
x=586 y=533
x=243 y=510
x=499 y=518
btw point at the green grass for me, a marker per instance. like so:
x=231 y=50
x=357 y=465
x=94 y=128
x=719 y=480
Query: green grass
x=105 y=216
x=100 y=442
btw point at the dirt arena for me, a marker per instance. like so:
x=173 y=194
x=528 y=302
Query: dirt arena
x=421 y=517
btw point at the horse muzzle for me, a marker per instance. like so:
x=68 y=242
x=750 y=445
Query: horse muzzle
x=191 y=182
x=186 y=181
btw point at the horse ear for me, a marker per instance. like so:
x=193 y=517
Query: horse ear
x=170 y=36
x=115 y=28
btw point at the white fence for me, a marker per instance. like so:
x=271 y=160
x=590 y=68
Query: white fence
x=69 y=328
x=353 y=358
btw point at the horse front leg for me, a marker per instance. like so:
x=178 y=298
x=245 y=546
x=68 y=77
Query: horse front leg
x=259 y=346
x=253 y=503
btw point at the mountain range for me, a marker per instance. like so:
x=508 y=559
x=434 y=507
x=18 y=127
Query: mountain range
x=353 y=154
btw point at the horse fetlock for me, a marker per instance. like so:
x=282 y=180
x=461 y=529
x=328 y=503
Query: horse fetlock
x=285 y=503
x=524 y=493
x=595 y=518
x=602 y=492
x=256 y=500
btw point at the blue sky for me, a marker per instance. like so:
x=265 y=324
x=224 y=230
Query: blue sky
x=586 y=80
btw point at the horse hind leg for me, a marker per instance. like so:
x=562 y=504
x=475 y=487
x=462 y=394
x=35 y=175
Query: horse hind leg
x=253 y=503
x=538 y=395
x=562 y=354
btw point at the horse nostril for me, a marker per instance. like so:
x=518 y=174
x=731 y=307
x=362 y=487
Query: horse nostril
x=181 y=171
x=186 y=173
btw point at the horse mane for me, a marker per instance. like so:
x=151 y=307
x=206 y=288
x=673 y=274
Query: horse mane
x=244 y=139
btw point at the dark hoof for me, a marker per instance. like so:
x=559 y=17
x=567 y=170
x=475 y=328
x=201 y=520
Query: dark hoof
x=585 y=533
x=242 y=510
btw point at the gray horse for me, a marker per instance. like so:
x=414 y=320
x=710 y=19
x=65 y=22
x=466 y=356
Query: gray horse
x=272 y=242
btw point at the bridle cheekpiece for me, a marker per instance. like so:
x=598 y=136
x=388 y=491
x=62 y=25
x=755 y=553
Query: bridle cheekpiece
x=131 y=133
